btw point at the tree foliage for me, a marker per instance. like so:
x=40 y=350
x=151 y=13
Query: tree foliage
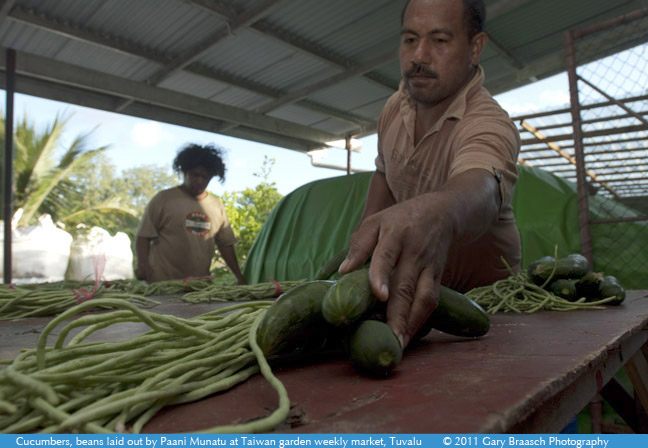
x=247 y=210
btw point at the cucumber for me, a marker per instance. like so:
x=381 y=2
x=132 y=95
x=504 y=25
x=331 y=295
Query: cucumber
x=374 y=349
x=543 y=260
x=564 y=288
x=610 y=287
x=349 y=299
x=294 y=321
x=332 y=265
x=588 y=285
x=573 y=266
x=457 y=315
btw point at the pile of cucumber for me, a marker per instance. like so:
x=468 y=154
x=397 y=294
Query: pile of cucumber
x=311 y=315
x=571 y=278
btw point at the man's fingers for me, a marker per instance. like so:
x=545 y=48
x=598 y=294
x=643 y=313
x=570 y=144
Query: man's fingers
x=385 y=256
x=361 y=246
x=401 y=299
x=426 y=299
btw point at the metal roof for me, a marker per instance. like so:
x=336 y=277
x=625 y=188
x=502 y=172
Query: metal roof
x=290 y=73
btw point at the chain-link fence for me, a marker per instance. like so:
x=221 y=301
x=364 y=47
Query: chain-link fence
x=609 y=114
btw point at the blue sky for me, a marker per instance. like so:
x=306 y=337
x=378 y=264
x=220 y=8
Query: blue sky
x=134 y=141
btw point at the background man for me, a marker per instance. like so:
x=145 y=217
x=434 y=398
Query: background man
x=438 y=209
x=182 y=225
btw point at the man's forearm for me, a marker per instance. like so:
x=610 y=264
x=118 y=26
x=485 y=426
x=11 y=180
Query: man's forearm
x=472 y=201
x=379 y=196
x=229 y=255
x=142 y=248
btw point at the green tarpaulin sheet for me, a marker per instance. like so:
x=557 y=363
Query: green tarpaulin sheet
x=315 y=221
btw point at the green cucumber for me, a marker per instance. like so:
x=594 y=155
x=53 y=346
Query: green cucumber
x=588 y=285
x=539 y=261
x=457 y=315
x=610 y=287
x=294 y=321
x=564 y=288
x=573 y=266
x=332 y=265
x=374 y=349
x=349 y=299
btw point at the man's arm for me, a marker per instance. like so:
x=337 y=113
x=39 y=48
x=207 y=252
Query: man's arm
x=410 y=241
x=229 y=255
x=379 y=196
x=143 y=269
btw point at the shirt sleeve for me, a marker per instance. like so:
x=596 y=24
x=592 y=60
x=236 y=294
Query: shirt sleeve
x=491 y=144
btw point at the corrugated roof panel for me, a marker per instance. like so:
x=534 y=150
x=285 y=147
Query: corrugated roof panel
x=390 y=71
x=335 y=126
x=371 y=110
x=297 y=114
x=240 y=98
x=351 y=94
x=343 y=26
x=107 y=61
x=266 y=62
x=193 y=85
x=543 y=23
x=31 y=40
x=168 y=26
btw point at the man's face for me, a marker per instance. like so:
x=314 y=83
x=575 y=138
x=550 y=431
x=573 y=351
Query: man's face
x=196 y=180
x=436 y=56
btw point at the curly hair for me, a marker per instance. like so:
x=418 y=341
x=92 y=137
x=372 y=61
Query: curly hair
x=209 y=156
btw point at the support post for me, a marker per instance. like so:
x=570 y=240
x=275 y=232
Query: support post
x=8 y=162
x=581 y=181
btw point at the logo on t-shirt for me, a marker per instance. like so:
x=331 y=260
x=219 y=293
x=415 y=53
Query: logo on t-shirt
x=198 y=223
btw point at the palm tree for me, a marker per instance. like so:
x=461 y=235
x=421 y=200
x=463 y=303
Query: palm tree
x=48 y=177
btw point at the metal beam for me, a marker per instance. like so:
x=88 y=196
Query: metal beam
x=5 y=7
x=295 y=42
x=107 y=102
x=248 y=17
x=83 y=78
x=571 y=159
x=113 y=43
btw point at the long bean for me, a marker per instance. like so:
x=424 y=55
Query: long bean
x=119 y=386
x=518 y=294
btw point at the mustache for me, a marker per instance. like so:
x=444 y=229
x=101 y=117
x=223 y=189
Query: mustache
x=421 y=70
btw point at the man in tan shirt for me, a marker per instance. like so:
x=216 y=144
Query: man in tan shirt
x=182 y=225
x=438 y=209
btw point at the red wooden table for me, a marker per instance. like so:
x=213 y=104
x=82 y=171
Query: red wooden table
x=531 y=373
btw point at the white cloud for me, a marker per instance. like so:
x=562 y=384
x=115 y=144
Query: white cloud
x=554 y=97
x=146 y=134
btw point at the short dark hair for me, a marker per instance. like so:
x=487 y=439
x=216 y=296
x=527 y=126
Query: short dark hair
x=474 y=16
x=208 y=156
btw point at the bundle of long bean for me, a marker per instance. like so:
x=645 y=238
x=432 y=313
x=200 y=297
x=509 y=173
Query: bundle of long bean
x=18 y=302
x=111 y=387
x=224 y=293
x=518 y=294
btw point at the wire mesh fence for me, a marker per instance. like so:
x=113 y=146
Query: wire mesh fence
x=611 y=131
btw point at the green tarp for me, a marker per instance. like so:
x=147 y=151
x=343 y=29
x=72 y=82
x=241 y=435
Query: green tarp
x=315 y=221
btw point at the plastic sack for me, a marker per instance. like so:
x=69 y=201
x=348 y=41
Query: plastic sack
x=90 y=249
x=40 y=253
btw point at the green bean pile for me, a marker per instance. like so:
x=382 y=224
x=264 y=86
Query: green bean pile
x=99 y=387
x=227 y=293
x=518 y=294
x=26 y=301
x=49 y=299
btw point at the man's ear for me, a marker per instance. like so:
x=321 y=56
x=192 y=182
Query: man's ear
x=477 y=44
